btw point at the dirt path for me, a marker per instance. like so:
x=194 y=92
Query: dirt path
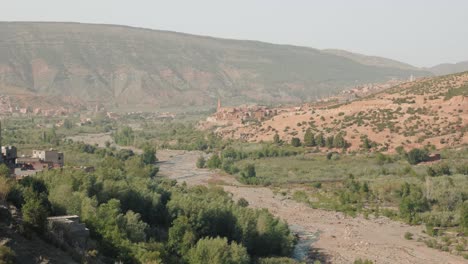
x=341 y=239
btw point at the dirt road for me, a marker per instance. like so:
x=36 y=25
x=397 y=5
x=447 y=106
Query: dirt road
x=333 y=237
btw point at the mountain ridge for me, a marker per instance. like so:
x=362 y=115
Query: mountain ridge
x=122 y=65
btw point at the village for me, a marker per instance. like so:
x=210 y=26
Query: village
x=65 y=231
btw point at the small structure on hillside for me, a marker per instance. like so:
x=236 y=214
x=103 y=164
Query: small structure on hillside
x=39 y=161
x=49 y=156
x=241 y=114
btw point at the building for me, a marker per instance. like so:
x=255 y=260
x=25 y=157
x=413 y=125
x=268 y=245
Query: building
x=49 y=156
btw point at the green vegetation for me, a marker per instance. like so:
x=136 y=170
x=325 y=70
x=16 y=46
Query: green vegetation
x=136 y=217
x=7 y=256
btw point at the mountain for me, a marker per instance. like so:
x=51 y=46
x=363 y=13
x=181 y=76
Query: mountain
x=449 y=68
x=413 y=114
x=124 y=66
x=371 y=60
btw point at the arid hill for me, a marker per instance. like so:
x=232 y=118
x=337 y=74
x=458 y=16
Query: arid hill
x=126 y=66
x=449 y=68
x=427 y=111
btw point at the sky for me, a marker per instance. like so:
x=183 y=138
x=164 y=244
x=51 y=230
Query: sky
x=419 y=32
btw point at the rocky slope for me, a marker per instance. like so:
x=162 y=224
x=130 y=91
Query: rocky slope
x=427 y=111
x=131 y=66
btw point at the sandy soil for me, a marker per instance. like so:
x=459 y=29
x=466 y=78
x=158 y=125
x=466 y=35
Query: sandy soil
x=341 y=239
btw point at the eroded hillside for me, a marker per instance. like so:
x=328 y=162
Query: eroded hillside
x=428 y=111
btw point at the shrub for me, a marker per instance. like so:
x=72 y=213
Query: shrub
x=408 y=235
x=217 y=250
x=201 y=162
x=295 y=142
x=214 y=162
x=7 y=256
x=416 y=156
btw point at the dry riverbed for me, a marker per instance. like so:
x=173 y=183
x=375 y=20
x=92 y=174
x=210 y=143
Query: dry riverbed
x=334 y=237
x=340 y=239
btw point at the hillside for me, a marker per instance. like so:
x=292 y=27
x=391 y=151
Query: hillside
x=371 y=60
x=449 y=68
x=125 y=66
x=428 y=111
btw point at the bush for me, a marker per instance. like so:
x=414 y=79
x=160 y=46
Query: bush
x=416 y=156
x=438 y=170
x=217 y=251
x=242 y=202
x=214 y=162
x=295 y=142
x=462 y=169
x=7 y=256
x=408 y=235
x=363 y=261
x=201 y=162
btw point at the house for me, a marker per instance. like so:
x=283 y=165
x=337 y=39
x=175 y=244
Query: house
x=49 y=156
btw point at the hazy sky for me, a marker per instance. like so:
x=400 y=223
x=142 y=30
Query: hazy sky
x=419 y=32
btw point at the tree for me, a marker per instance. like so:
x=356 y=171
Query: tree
x=276 y=139
x=214 y=162
x=124 y=136
x=5 y=187
x=320 y=140
x=295 y=142
x=149 y=155
x=242 y=202
x=412 y=202
x=464 y=217
x=67 y=124
x=217 y=251
x=181 y=236
x=134 y=227
x=329 y=142
x=339 y=141
x=416 y=156
x=5 y=171
x=249 y=171
x=35 y=213
x=309 y=139
x=201 y=162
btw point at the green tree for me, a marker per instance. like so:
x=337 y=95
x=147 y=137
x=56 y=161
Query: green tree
x=417 y=155
x=149 y=155
x=295 y=142
x=134 y=227
x=124 y=136
x=181 y=236
x=249 y=171
x=329 y=142
x=464 y=217
x=339 y=141
x=201 y=162
x=67 y=124
x=214 y=162
x=309 y=138
x=217 y=251
x=35 y=213
x=276 y=139
x=320 y=140
x=5 y=171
